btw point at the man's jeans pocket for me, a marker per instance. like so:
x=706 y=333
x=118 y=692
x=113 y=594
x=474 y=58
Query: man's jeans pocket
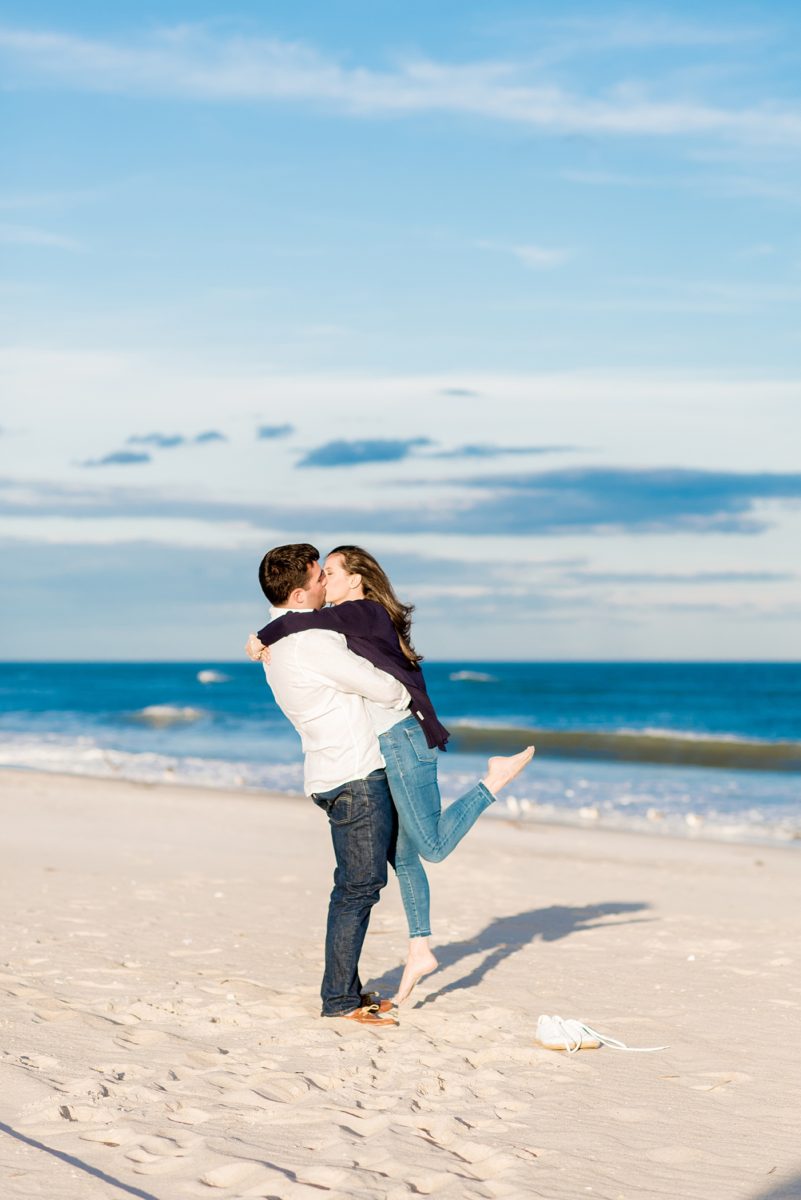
x=338 y=808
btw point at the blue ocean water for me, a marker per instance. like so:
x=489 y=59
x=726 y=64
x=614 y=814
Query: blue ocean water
x=702 y=749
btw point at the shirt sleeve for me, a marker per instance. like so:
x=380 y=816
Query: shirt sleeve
x=330 y=660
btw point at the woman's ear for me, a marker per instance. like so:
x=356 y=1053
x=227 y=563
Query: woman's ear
x=354 y=581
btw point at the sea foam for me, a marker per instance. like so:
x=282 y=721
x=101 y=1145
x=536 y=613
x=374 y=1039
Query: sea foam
x=210 y=676
x=160 y=715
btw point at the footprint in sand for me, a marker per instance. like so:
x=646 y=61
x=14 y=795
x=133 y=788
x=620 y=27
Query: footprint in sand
x=24 y=991
x=80 y=1112
x=120 y=1135
x=185 y=1115
x=473 y=1152
x=491 y=1170
x=230 y=1174
x=286 y=1090
x=140 y=1037
x=279 y=1185
x=48 y=1015
x=428 y=1183
x=124 y=1072
x=364 y=1126
x=171 y=1144
x=321 y=1175
x=205 y=1058
x=160 y=1154
x=39 y=1062
x=444 y=1131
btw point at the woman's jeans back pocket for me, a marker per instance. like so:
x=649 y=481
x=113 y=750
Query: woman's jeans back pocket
x=420 y=747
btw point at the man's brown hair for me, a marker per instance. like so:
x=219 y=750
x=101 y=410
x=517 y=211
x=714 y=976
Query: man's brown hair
x=285 y=568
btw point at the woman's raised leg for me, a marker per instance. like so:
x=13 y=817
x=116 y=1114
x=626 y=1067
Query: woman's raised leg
x=412 y=773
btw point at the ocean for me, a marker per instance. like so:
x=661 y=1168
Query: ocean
x=701 y=750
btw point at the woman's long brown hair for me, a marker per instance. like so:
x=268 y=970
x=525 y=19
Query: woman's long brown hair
x=376 y=586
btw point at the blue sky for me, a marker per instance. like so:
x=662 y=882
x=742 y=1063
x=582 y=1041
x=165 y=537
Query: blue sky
x=510 y=297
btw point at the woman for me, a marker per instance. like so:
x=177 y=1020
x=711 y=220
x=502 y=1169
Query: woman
x=377 y=626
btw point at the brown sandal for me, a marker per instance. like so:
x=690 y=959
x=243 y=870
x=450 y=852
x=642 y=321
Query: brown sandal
x=373 y=999
x=368 y=1014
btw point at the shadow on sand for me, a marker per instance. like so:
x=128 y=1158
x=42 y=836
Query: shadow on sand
x=506 y=935
x=77 y=1163
x=787 y=1189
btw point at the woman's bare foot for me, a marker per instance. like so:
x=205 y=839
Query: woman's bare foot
x=503 y=770
x=419 y=963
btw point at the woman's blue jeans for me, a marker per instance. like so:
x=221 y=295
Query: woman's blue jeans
x=424 y=830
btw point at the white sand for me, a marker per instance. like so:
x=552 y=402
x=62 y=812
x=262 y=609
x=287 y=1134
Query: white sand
x=159 y=1028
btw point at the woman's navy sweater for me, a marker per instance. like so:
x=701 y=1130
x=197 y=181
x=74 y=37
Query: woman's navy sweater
x=368 y=630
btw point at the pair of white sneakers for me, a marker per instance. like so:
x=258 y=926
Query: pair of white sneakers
x=560 y=1033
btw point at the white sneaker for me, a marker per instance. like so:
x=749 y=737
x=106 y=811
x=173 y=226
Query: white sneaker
x=558 y=1033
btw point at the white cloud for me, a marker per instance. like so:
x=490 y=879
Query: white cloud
x=541 y=257
x=538 y=258
x=54 y=198
x=759 y=250
x=655 y=31
x=27 y=235
x=188 y=62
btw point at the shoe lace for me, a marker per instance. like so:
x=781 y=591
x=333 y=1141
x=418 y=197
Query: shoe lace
x=573 y=1041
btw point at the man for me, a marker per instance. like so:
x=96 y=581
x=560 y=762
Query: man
x=322 y=687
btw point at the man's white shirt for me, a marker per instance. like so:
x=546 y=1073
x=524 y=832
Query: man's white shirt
x=337 y=701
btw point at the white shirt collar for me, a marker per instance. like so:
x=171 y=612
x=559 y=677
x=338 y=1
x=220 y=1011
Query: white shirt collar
x=276 y=612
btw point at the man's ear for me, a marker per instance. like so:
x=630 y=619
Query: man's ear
x=297 y=598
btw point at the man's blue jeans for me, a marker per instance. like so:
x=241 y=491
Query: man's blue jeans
x=363 y=827
x=424 y=830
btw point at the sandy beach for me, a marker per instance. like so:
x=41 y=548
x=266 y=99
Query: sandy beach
x=161 y=955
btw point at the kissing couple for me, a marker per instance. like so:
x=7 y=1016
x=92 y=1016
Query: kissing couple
x=349 y=679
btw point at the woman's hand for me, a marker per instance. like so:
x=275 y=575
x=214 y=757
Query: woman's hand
x=256 y=650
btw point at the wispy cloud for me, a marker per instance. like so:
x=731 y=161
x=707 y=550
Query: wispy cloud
x=189 y=62
x=489 y=450
x=28 y=235
x=168 y=441
x=541 y=257
x=758 y=250
x=274 y=431
x=53 y=198
x=351 y=454
x=648 y=500
x=164 y=441
x=717 y=184
x=596 y=501
x=118 y=458
x=649 y=31
x=536 y=258
x=693 y=579
x=623 y=180
x=460 y=392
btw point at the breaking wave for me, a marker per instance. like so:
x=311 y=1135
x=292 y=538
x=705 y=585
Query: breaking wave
x=209 y=676
x=161 y=715
x=643 y=746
